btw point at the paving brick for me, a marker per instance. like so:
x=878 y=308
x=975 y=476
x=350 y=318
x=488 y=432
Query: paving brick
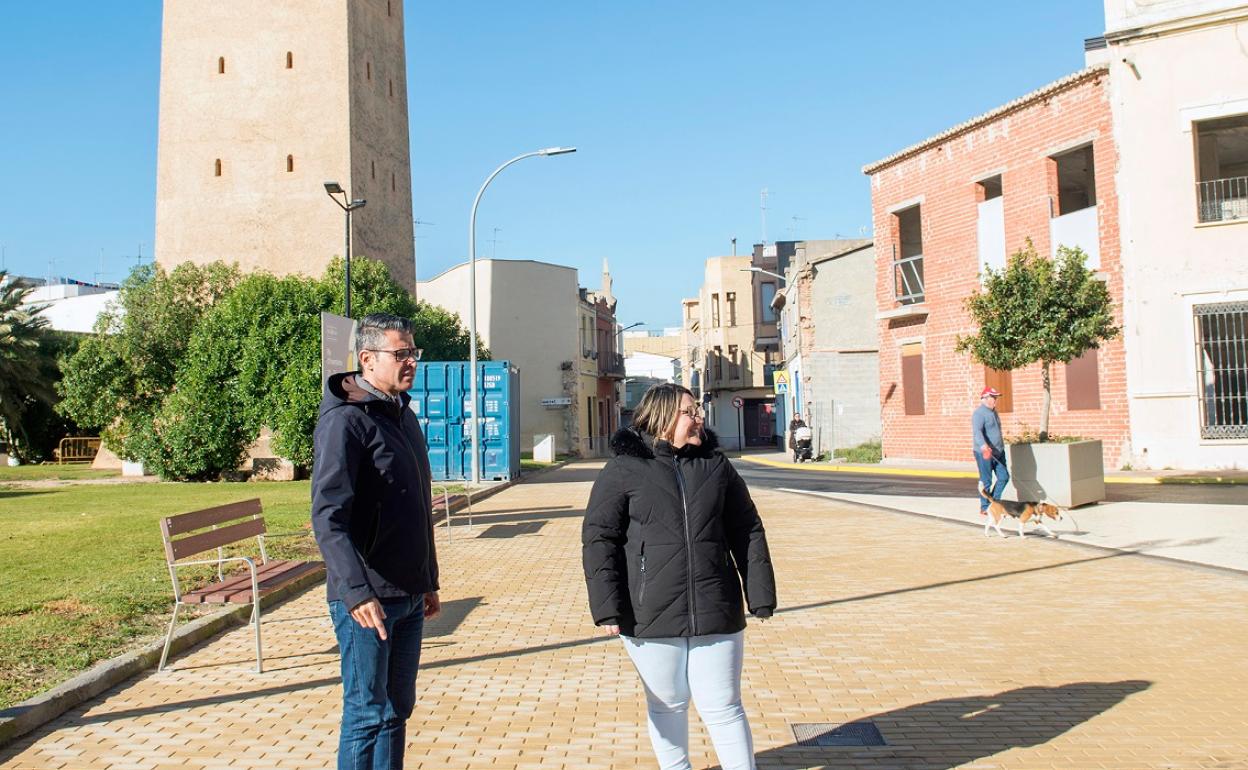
x=961 y=656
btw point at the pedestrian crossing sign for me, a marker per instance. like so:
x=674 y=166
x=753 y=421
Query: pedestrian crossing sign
x=780 y=381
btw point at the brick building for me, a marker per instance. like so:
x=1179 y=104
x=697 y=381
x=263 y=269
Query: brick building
x=1041 y=167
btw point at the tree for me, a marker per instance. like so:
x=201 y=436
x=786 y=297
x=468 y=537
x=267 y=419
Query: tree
x=1039 y=311
x=119 y=377
x=25 y=359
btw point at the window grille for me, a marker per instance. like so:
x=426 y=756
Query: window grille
x=1221 y=334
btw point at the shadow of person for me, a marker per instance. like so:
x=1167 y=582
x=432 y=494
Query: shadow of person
x=951 y=732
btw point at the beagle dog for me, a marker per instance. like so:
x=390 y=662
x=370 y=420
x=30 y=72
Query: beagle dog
x=1024 y=512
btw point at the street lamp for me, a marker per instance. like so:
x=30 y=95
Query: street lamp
x=764 y=272
x=626 y=328
x=333 y=189
x=472 y=297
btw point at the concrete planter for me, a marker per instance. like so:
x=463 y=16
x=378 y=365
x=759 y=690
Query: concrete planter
x=1066 y=474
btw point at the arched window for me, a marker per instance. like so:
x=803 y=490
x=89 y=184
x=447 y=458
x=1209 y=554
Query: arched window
x=388 y=8
x=391 y=88
x=392 y=187
x=216 y=167
x=373 y=168
x=290 y=163
x=290 y=60
x=220 y=65
x=368 y=70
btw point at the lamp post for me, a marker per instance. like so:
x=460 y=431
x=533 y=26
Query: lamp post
x=333 y=189
x=472 y=297
x=764 y=272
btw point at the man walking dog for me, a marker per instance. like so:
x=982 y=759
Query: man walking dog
x=989 y=446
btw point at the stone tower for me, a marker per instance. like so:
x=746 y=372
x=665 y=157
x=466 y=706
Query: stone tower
x=260 y=105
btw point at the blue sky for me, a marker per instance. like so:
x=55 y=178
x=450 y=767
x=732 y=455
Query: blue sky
x=683 y=111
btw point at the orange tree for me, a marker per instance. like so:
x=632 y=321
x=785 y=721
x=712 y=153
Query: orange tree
x=1038 y=310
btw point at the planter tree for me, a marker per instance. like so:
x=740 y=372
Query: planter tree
x=1038 y=310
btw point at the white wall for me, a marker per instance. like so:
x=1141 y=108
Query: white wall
x=1170 y=262
x=526 y=314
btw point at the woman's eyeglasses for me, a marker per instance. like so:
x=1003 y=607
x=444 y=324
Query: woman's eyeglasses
x=693 y=413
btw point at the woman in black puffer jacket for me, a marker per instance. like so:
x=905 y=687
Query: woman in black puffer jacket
x=670 y=538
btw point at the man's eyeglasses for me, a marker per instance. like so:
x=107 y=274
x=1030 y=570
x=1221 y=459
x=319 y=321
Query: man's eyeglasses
x=401 y=354
x=693 y=412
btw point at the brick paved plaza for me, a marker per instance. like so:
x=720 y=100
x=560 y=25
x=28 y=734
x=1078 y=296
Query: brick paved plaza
x=964 y=651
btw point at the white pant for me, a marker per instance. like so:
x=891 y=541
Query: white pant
x=708 y=668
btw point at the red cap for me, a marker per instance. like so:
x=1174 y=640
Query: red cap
x=989 y=391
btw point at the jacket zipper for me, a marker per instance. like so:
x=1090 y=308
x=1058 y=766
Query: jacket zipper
x=641 y=594
x=684 y=504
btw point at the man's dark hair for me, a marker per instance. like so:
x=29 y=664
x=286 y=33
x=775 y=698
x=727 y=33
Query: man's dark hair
x=371 y=331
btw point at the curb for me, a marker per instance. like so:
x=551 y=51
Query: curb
x=932 y=473
x=41 y=709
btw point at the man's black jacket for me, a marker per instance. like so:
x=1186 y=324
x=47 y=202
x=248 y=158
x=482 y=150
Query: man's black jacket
x=371 y=498
x=669 y=539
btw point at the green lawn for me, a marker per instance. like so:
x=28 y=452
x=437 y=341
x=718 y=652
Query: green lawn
x=82 y=572
x=44 y=472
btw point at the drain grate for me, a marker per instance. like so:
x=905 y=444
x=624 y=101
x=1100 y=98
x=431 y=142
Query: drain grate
x=862 y=733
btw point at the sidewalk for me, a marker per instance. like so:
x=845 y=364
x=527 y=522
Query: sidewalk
x=963 y=651
x=958 y=470
x=1204 y=533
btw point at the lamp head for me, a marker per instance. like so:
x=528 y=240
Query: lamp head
x=333 y=188
x=556 y=151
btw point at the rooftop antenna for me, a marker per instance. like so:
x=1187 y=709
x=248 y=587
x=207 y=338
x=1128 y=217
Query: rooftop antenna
x=494 y=243
x=762 y=206
x=793 y=225
x=416 y=223
x=99 y=274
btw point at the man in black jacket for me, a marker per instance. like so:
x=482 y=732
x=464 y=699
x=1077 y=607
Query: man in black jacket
x=372 y=515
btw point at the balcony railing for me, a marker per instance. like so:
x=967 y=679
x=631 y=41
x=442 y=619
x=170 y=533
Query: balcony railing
x=1223 y=200
x=610 y=365
x=908 y=279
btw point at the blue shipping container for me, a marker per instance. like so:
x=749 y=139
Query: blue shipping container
x=440 y=398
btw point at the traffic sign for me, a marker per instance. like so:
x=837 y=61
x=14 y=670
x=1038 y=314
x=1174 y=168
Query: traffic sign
x=780 y=381
x=737 y=402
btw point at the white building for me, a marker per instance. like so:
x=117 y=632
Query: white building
x=71 y=306
x=1179 y=92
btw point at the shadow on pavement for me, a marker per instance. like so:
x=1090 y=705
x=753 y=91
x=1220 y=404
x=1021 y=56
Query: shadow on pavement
x=518 y=514
x=571 y=474
x=946 y=583
x=970 y=728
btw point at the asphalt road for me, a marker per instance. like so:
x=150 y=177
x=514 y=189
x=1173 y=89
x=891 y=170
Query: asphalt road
x=926 y=486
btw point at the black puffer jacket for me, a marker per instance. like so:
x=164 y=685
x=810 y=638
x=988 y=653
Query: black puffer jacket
x=670 y=536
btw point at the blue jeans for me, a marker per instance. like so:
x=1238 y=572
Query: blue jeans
x=378 y=683
x=986 y=469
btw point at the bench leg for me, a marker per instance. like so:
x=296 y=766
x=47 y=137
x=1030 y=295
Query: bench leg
x=255 y=619
x=173 y=622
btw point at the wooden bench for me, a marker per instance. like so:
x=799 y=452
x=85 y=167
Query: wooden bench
x=221 y=526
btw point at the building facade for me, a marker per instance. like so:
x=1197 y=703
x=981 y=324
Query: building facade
x=260 y=104
x=830 y=340
x=1041 y=168
x=534 y=315
x=731 y=344
x=1178 y=88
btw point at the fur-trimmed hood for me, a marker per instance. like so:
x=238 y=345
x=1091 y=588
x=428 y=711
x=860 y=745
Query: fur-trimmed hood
x=630 y=442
